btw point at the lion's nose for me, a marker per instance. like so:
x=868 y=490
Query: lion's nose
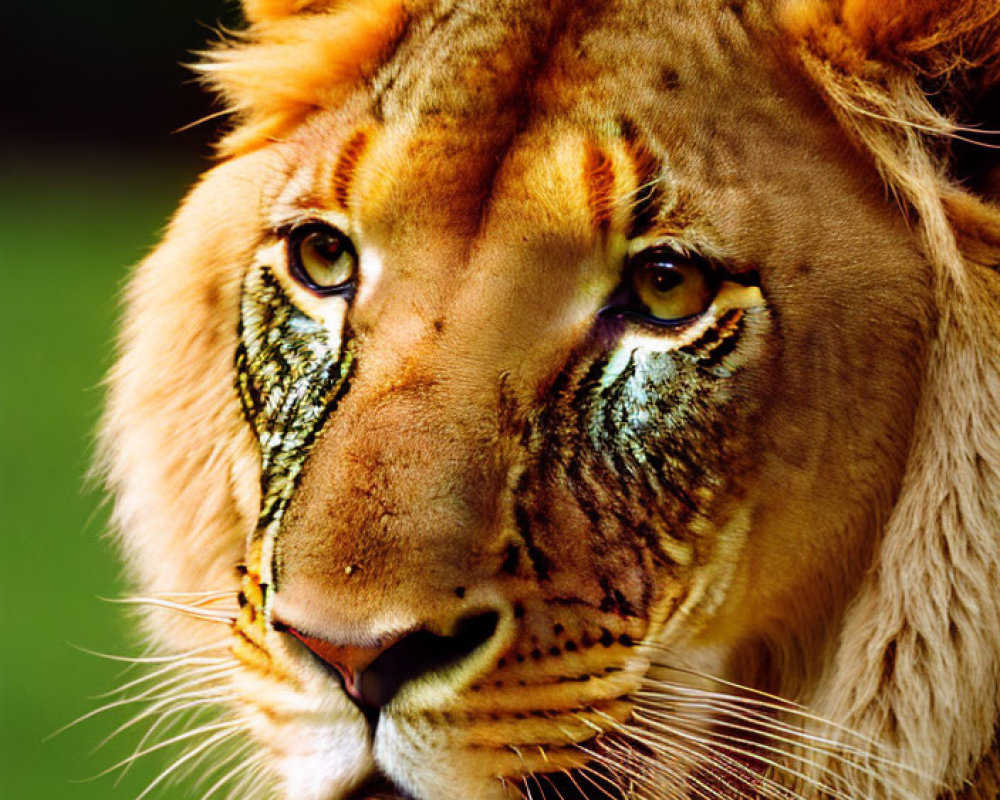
x=373 y=675
x=349 y=661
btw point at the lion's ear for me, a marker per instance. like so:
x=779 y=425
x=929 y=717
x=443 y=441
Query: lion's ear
x=299 y=56
x=953 y=51
x=955 y=40
x=937 y=39
x=930 y=67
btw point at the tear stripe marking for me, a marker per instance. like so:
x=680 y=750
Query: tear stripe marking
x=291 y=372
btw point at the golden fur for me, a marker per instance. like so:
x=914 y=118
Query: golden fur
x=830 y=533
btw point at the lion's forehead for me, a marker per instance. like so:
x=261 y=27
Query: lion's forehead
x=561 y=57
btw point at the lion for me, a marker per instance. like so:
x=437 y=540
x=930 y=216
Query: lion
x=579 y=400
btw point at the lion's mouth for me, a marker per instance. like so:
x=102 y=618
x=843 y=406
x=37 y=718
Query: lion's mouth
x=588 y=783
x=378 y=788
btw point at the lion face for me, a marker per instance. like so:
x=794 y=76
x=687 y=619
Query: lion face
x=577 y=358
x=519 y=461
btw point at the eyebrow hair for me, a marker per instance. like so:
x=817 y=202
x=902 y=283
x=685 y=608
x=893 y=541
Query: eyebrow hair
x=647 y=200
x=599 y=179
x=347 y=165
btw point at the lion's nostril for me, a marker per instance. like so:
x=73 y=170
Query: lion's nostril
x=422 y=653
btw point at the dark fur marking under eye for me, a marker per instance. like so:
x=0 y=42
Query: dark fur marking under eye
x=717 y=342
x=291 y=375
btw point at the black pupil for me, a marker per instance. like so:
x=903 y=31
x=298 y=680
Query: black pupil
x=326 y=246
x=664 y=278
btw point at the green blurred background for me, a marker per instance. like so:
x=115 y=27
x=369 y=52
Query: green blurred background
x=90 y=169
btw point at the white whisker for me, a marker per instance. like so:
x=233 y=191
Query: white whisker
x=187 y=700
x=767 y=700
x=222 y=645
x=149 y=695
x=202 y=661
x=714 y=742
x=688 y=777
x=527 y=771
x=97 y=711
x=200 y=597
x=793 y=738
x=240 y=787
x=168 y=721
x=205 y=760
x=239 y=754
x=569 y=774
x=751 y=710
x=212 y=740
x=586 y=773
x=635 y=759
x=551 y=783
x=706 y=756
x=220 y=726
x=188 y=610
x=195 y=677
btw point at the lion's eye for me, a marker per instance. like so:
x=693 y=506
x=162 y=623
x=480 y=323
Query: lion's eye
x=670 y=288
x=322 y=259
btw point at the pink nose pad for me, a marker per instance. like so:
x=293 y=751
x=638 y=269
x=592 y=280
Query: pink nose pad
x=347 y=660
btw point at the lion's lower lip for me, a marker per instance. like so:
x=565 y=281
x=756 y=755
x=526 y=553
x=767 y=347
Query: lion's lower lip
x=378 y=788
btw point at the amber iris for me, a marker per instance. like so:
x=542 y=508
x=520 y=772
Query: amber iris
x=322 y=259
x=672 y=288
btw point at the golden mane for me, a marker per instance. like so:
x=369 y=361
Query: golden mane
x=920 y=646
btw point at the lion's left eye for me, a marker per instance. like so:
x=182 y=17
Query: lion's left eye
x=663 y=287
x=322 y=259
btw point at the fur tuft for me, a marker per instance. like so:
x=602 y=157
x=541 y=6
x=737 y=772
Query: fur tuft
x=289 y=65
x=258 y=11
x=893 y=72
x=938 y=38
x=931 y=38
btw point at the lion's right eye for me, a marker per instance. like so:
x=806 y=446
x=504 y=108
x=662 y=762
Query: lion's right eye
x=671 y=289
x=322 y=259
